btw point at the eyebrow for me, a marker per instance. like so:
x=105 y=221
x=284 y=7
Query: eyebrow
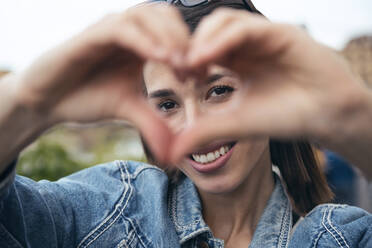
x=169 y=92
x=161 y=93
x=214 y=77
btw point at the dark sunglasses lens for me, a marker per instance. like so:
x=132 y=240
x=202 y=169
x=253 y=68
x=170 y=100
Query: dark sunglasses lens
x=191 y=3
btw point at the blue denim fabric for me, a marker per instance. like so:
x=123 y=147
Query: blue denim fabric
x=131 y=204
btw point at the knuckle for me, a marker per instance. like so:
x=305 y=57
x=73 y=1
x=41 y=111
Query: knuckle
x=221 y=15
x=289 y=34
x=105 y=20
x=286 y=28
x=225 y=12
x=169 y=11
x=134 y=13
x=109 y=17
x=128 y=14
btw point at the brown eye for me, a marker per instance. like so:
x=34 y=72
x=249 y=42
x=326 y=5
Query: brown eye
x=167 y=106
x=219 y=91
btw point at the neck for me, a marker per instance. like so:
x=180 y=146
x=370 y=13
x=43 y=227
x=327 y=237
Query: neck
x=234 y=216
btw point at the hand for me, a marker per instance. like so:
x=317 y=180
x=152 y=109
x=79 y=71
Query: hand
x=296 y=88
x=98 y=74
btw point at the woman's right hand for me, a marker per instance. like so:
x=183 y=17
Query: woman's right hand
x=97 y=75
x=294 y=88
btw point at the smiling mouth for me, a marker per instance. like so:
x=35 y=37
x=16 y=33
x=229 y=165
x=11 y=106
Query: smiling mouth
x=211 y=154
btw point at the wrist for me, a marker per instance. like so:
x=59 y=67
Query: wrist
x=348 y=131
x=345 y=116
x=352 y=136
x=354 y=116
x=18 y=125
x=24 y=108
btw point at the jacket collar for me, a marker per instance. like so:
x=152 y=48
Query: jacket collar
x=273 y=228
x=186 y=211
x=275 y=224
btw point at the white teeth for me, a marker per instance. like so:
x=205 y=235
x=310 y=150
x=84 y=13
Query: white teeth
x=203 y=159
x=211 y=156
x=222 y=150
x=217 y=154
x=196 y=157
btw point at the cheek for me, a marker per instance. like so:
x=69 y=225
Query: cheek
x=176 y=122
x=248 y=153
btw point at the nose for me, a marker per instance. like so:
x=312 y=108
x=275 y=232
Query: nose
x=190 y=113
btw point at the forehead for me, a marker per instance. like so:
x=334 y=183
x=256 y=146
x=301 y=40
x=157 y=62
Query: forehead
x=159 y=76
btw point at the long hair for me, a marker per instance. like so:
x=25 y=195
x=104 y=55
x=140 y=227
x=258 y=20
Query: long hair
x=305 y=182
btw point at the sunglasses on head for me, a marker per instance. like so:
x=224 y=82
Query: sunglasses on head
x=193 y=3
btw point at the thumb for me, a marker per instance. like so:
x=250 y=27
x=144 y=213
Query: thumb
x=254 y=122
x=204 y=131
x=153 y=129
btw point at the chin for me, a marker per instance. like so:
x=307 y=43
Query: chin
x=218 y=185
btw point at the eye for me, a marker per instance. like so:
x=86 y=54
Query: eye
x=219 y=91
x=167 y=106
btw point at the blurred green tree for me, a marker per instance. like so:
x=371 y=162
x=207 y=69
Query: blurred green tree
x=47 y=160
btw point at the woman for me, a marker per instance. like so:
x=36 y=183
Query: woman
x=236 y=65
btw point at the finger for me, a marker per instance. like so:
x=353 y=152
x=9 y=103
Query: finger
x=156 y=133
x=213 y=24
x=138 y=41
x=168 y=21
x=249 y=121
x=210 y=27
x=228 y=48
x=202 y=133
x=121 y=30
x=254 y=32
x=165 y=26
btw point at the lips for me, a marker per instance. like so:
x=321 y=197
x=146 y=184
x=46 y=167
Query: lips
x=212 y=157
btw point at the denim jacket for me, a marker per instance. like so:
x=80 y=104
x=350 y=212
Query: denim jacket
x=131 y=204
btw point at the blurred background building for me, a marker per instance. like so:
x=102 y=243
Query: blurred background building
x=3 y=72
x=359 y=53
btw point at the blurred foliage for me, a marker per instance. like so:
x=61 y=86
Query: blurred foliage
x=68 y=149
x=47 y=160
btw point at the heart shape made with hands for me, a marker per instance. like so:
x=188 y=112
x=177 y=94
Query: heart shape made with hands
x=105 y=63
x=98 y=74
x=287 y=73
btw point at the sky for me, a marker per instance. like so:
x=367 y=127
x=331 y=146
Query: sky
x=28 y=28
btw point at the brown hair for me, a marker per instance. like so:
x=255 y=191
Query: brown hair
x=305 y=182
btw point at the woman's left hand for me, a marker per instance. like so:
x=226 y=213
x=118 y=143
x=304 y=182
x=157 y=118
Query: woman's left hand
x=297 y=88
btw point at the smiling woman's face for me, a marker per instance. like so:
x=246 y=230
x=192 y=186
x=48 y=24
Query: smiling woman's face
x=224 y=165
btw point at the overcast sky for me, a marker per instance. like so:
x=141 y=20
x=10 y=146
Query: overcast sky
x=29 y=27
